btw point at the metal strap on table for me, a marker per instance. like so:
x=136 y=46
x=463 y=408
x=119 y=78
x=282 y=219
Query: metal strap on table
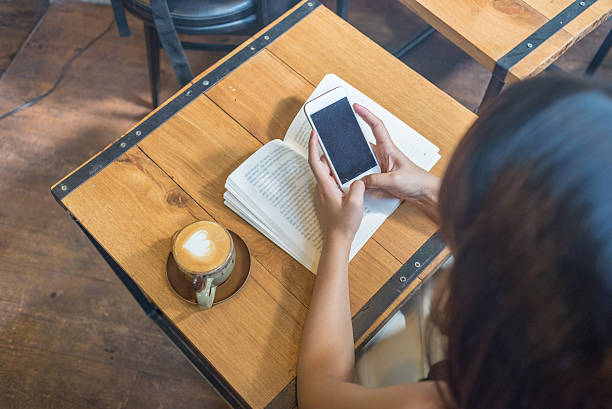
x=363 y=319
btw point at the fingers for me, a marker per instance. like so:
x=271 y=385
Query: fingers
x=387 y=181
x=380 y=157
x=378 y=127
x=327 y=166
x=320 y=167
x=356 y=193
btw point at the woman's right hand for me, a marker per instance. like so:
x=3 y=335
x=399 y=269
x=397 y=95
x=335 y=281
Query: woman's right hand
x=400 y=176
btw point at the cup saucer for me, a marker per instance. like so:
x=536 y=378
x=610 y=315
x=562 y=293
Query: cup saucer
x=183 y=287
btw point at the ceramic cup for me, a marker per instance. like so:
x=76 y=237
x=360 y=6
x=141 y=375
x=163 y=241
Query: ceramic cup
x=204 y=251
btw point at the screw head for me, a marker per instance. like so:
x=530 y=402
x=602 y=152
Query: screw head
x=266 y=37
x=252 y=48
x=310 y=4
x=189 y=93
x=582 y=3
x=417 y=264
x=64 y=188
x=205 y=83
x=403 y=279
x=529 y=45
x=122 y=144
x=138 y=133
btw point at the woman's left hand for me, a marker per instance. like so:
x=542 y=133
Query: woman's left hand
x=339 y=214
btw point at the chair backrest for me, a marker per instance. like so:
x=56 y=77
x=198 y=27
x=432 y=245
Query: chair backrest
x=222 y=11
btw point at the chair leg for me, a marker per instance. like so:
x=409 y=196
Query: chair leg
x=493 y=89
x=406 y=48
x=342 y=8
x=152 y=44
x=600 y=55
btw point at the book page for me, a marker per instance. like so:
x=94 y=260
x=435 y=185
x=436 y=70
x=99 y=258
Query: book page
x=298 y=133
x=273 y=191
x=277 y=185
x=411 y=143
x=233 y=203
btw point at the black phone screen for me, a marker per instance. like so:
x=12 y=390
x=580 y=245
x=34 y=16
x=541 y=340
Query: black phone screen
x=343 y=139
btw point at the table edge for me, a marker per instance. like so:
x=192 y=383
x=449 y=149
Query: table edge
x=362 y=320
x=215 y=379
x=188 y=94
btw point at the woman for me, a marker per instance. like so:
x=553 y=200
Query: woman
x=526 y=209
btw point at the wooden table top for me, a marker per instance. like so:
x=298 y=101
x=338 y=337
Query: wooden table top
x=489 y=29
x=170 y=170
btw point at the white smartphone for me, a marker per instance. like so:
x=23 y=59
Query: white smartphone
x=341 y=137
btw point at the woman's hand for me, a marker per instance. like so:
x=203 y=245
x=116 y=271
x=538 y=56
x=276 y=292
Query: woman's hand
x=400 y=176
x=339 y=214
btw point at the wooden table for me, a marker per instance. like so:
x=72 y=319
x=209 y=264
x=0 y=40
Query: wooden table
x=170 y=169
x=515 y=39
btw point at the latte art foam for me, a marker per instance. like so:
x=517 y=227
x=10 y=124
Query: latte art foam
x=201 y=247
x=197 y=244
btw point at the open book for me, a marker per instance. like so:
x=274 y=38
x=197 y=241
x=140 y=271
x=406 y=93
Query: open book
x=273 y=189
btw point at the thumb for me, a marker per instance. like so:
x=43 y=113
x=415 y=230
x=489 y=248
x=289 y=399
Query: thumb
x=356 y=192
x=381 y=181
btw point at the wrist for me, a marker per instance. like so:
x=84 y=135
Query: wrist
x=339 y=239
x=430 y=188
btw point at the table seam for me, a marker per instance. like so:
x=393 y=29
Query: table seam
x=279 y=59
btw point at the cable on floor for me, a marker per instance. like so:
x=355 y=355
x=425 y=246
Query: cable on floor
x=62 y=74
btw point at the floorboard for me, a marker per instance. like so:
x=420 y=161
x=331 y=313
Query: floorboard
x=70 y=333
x=17 y=20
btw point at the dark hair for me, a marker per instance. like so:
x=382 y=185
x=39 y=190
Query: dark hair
x=526 y=207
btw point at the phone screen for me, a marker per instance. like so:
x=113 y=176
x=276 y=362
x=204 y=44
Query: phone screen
x=343 y=139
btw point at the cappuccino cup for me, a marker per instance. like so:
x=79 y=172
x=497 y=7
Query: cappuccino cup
x=204 y=251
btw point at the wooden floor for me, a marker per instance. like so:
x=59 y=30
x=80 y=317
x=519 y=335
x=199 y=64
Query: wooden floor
x=71 y=336
x=17 y=19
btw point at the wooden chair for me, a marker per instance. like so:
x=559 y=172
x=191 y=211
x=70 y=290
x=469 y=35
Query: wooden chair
x=515 y=39
x=165 y=19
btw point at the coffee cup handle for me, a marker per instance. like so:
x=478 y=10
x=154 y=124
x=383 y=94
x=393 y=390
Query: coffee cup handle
x=206 y=295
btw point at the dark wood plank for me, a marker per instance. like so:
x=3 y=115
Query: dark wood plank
x=104 y=93
x=71 y=334
x=17 y=20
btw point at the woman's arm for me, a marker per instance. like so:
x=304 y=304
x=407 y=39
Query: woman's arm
x=327 y=351
x=428 y=199
x=327 y=340
x=326 y=360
